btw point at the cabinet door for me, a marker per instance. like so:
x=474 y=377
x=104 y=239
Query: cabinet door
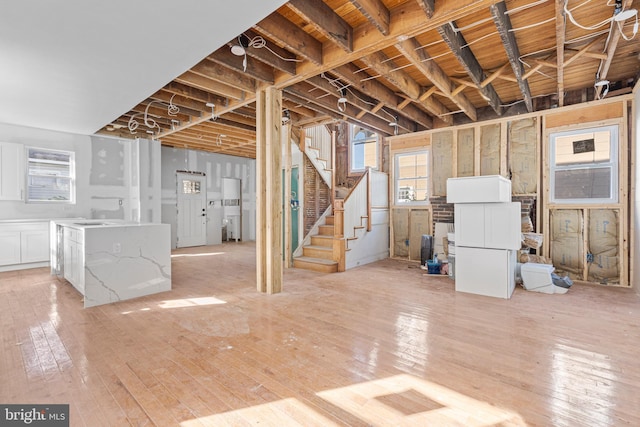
x=35 y=246
x=9 y=247
x=469 y=224
x=68 y=263
x=11 y=171
x=502 y=226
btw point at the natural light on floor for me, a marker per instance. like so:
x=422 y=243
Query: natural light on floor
x=398 y=400
x=194 y=255
x=190 y=302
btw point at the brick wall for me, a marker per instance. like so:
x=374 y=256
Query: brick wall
x=443 y=211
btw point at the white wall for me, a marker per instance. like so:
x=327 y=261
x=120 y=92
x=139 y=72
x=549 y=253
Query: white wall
x=635 y=137
x=108 y=172
x=216 y=167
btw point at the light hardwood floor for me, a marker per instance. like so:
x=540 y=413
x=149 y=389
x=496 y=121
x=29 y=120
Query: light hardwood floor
x=383 y=344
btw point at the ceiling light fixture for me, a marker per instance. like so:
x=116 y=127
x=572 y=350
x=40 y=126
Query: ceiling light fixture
x=286 y=117
x=342 y=101
x=623 y=16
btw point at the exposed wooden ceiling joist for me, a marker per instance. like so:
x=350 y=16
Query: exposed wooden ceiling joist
x=467 y=59
x=325 y=21
x=503 y=24
x=286 y=34
x=561 y=27
x=376 y=12
x=255 y=69
x=420 y=59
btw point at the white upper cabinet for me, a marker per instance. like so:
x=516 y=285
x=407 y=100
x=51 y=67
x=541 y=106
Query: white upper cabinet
x=11 y=171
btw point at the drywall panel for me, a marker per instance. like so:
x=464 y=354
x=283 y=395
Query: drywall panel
x=567 y=242
x=401 y=233
x=442 y=157
x=523 y=137
x=490 y=149
x=419 y=224
x=466 y=150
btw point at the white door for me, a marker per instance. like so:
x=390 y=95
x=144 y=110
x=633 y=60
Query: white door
x=192 y=214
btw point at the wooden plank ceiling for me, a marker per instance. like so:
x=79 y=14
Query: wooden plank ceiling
x=402 y=66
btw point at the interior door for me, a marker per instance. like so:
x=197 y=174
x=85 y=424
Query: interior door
x=192 y=214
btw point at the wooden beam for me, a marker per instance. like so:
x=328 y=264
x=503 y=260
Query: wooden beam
x=269 y=191
x=275 y=56
x=324 y=20
x=428 y=6
x=376 y=12
x=584 y=51
x=420 y=59
x=376 y=90
x=611 y=50
x=381 y=64
x=467 y=59
x=204 y=83
x=255 y=68
x=561 y=26
x=330 y=103
x=294 y=38
x=362 y=101
x=494 y=75
x=503 y=24
x=224 y=75
x=194 y=93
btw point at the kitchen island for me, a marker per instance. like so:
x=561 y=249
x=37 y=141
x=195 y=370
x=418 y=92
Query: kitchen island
x=109 y=261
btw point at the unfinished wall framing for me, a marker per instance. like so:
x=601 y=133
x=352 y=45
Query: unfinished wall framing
x=521 y=144
x=590 y=241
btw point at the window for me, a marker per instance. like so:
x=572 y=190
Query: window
x=411 y=177
x=190 y=186
x=364 y=149
x=584 y=166
x=50 y=176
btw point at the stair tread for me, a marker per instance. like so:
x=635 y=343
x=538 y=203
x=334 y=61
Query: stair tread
x=315 y=260
x=323 y=236
x=320 y=248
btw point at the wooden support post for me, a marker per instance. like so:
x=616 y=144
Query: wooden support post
x=269 y=190
x=286 y=140
x=333 y=167
x=339 y=241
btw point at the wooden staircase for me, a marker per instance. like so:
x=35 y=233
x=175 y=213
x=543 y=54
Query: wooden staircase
x=318 y=256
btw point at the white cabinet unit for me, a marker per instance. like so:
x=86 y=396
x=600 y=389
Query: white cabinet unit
x=487 y=272
x=479 y=189
x=9 y=246
x=73 y=264
x=488 y=225
x=24 y=245
x=11 y=171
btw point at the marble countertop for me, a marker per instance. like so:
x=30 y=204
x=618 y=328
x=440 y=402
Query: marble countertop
x=26 y=220
x=100 y=223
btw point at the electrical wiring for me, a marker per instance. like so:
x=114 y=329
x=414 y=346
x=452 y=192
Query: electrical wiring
x=258 y=42
x=172 y=109
x=523 y=7
x=569 y=13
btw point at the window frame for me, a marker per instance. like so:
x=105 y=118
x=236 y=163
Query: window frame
x=71 y=179
x=396 y=180
x=613 y=163
x=352 y=142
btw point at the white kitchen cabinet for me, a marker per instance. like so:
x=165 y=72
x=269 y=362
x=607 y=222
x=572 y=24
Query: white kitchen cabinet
x=24 y=245
x=9 y=247
x=12 y=176
x=73 y=264
x=479 y=189
x=489 y=272
x=488 y=225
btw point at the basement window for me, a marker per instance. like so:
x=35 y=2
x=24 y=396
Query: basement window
x=584 y=166
x=363 y=151
x=50 y=176
x=411 y=178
